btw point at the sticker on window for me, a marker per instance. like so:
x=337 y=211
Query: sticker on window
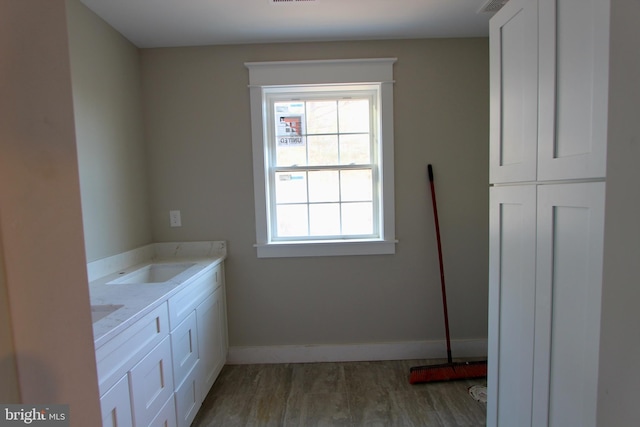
x=289 y=120
x=289 y=131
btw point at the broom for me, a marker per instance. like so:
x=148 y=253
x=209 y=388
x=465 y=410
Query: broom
x=447 y=371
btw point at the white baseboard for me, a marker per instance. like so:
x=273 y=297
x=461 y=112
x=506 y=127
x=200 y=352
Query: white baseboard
x=355 y=352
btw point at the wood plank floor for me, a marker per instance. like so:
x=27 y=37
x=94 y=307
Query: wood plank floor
x=336 y=394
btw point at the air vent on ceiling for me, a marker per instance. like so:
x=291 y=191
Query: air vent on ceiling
x=491 y=6
x=290 y=1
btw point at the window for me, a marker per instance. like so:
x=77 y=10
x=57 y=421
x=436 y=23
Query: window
x=323 y=157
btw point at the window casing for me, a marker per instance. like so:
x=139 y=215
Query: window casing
x=323 y=157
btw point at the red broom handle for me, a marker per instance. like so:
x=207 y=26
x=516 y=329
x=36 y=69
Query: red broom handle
x=442 y=285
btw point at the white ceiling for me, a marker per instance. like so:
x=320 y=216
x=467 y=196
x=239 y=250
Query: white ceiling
x=163 y=23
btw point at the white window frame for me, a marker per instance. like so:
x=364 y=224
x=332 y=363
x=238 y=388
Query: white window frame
x=269 y=75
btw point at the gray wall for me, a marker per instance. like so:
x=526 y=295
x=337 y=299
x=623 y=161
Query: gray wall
x=196 y=111
x=619 y=373
x=111 y=152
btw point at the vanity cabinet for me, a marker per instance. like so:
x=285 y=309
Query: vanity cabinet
x=158 y=371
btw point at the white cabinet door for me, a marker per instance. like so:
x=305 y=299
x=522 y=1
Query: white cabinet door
x=514 y=92
x=211 y=338
x=188 y=400
x=166 y=417
x=116 y=405
x=574 y=44
x=151 y=383
x=512 y=231
x=570 y=220
x=184 y=348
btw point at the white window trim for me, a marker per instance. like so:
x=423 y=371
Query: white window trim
x=287 y=73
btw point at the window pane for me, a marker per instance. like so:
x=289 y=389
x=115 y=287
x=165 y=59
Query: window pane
x=324 y=219
x=322 y=117
x=357 y=218
x=324 y=186
x=291 y=187
x=356 y=185
x=355 y=149
x=291 y=155
x=323 y=150
x=292 y=220
x=354 y=115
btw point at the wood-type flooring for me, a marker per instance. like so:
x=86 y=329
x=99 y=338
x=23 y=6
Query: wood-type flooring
x=336 y=394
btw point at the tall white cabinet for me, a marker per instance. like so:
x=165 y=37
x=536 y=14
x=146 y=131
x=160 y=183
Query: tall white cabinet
x=549 y=80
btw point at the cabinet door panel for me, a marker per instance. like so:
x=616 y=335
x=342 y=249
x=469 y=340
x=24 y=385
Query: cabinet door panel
x=166 y=416
x=184 y=348
x=188 y=399
x=511 y=305
x=151 y=383
x=211 y=338
x=514 y=92
x=573 y=89
x=569 y=281
x=116 y=405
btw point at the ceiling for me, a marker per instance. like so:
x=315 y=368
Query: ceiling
x=164 y=23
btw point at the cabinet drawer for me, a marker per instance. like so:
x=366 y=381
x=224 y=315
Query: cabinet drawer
x=166 y=417
x=151 y=383
x=184 y=348
x=188 y=399
x=118 y=355
x=116 y=405
x=185 y=301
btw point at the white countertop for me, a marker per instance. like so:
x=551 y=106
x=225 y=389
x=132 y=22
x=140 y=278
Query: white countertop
x=139 y=299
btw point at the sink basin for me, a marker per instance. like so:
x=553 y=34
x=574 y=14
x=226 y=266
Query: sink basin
x=100 y=311
x=153 y=273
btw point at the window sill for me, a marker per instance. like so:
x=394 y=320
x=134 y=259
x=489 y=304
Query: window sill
x=326 y=248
